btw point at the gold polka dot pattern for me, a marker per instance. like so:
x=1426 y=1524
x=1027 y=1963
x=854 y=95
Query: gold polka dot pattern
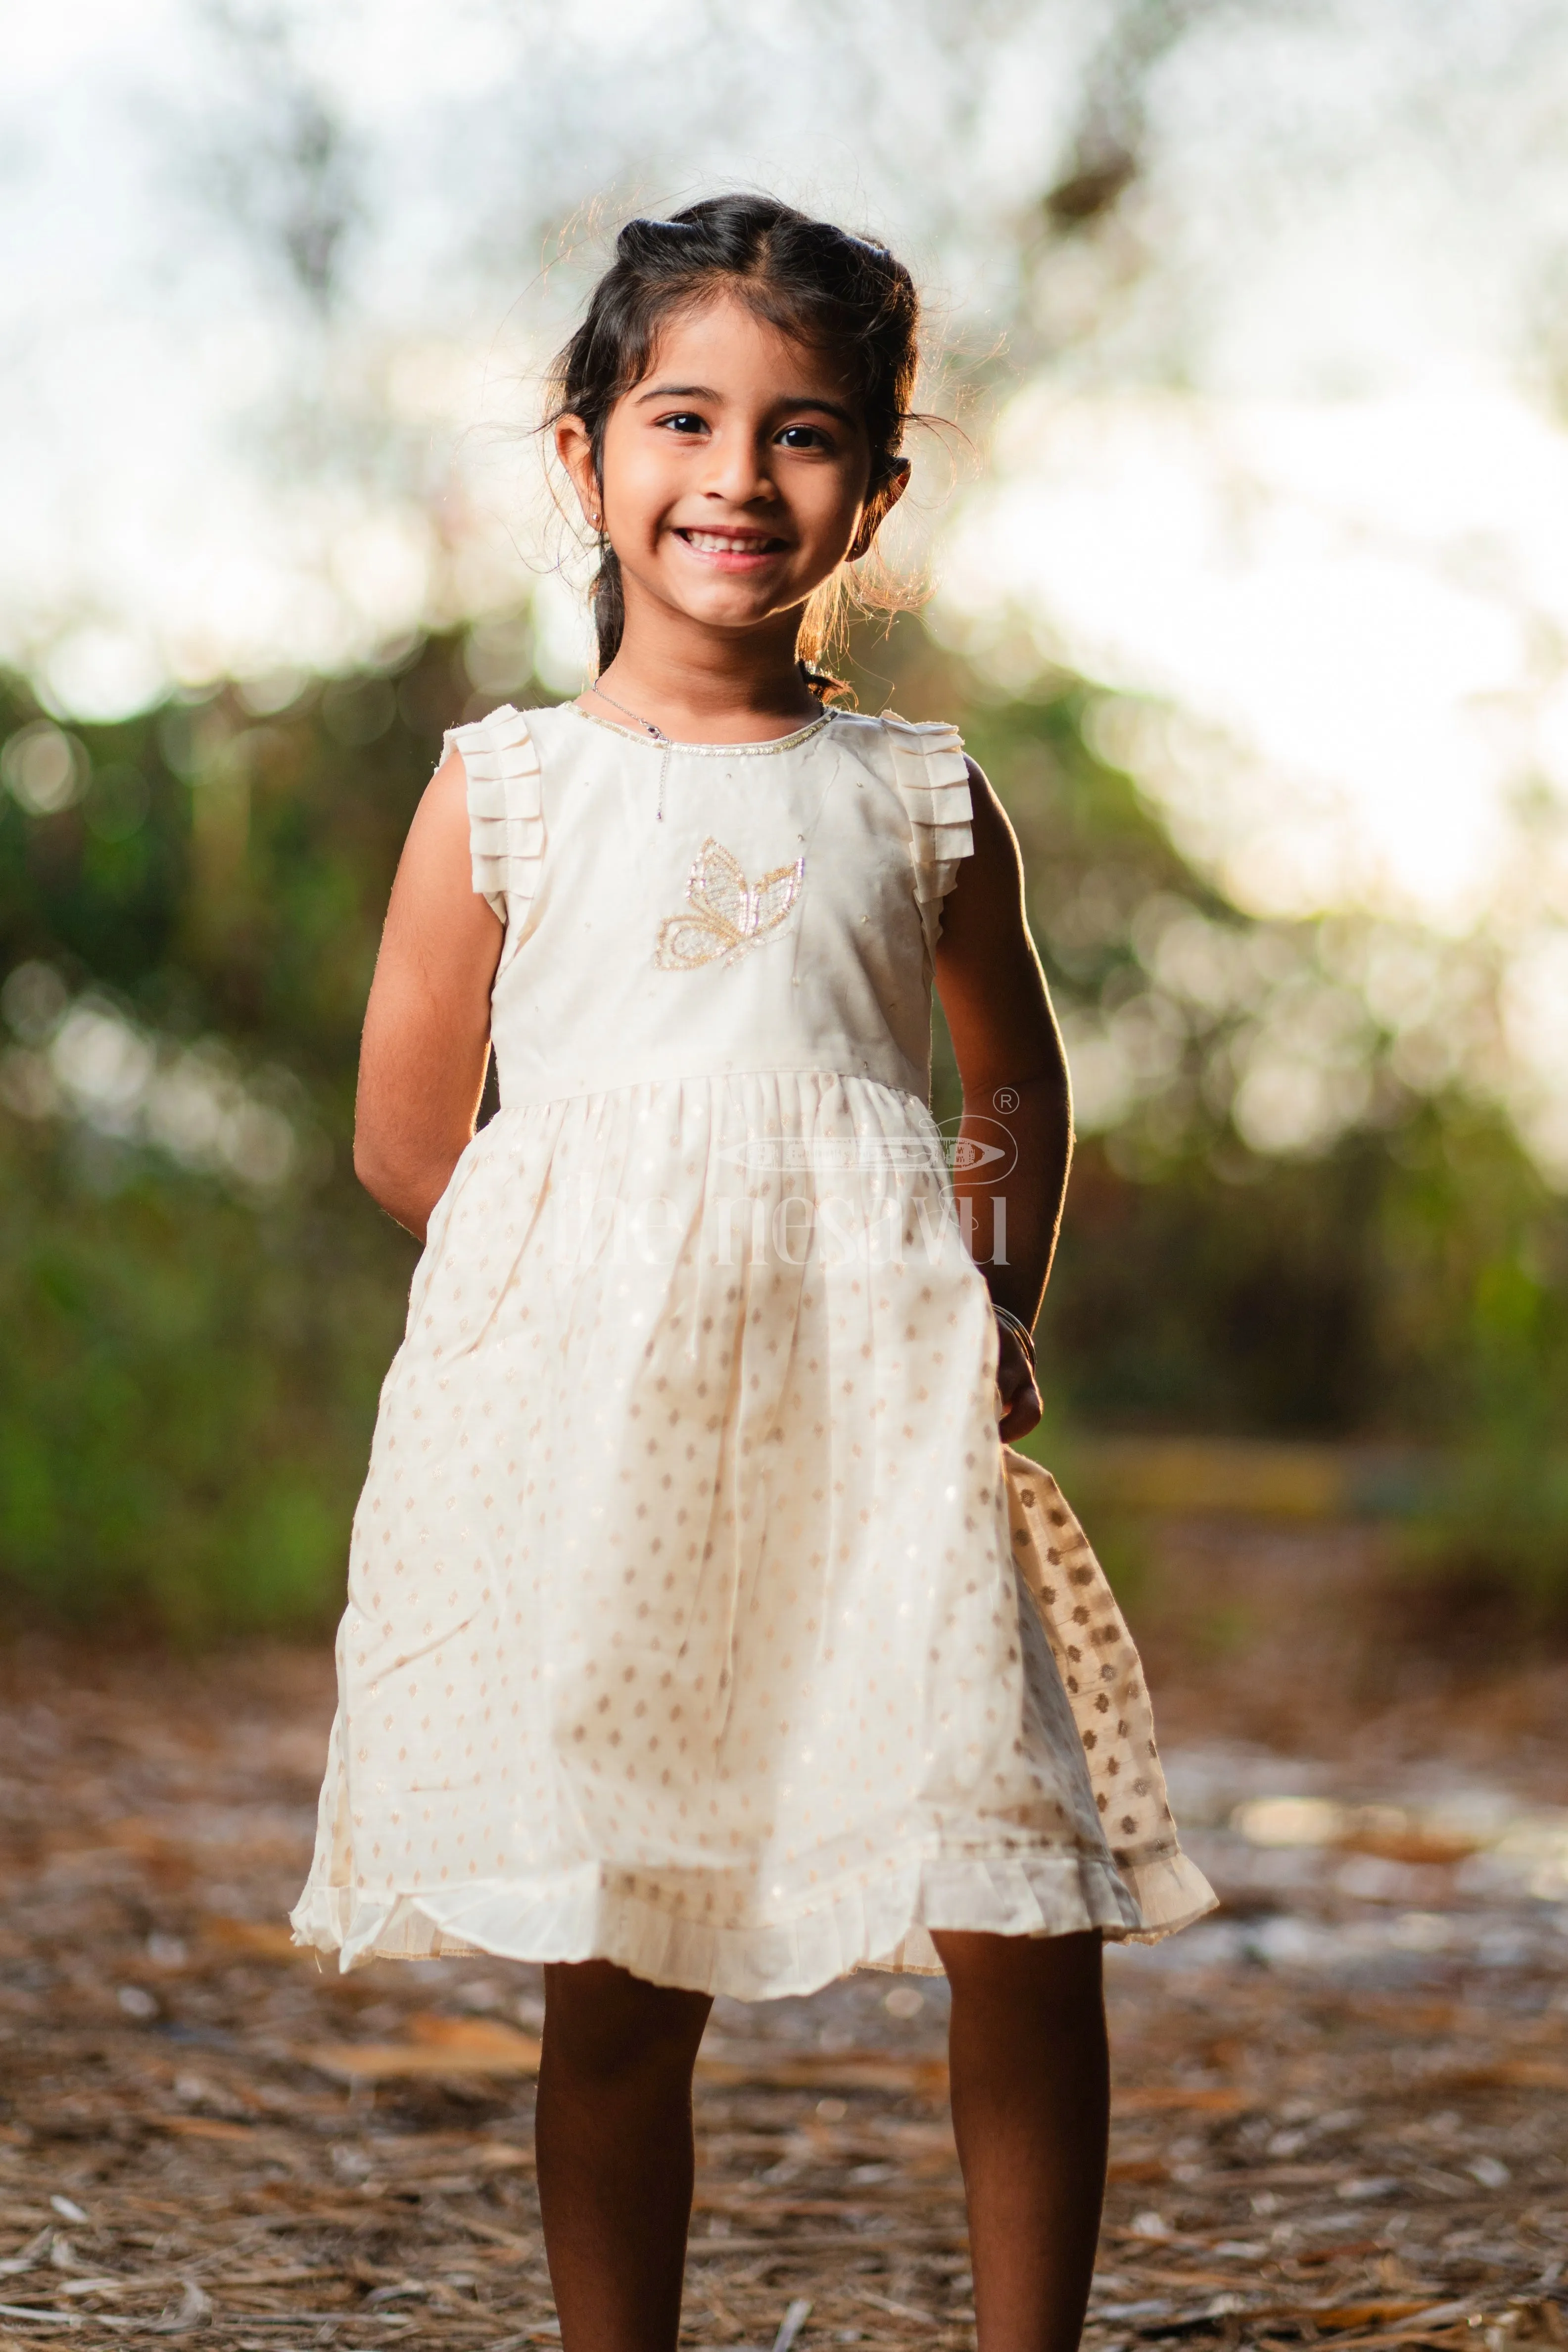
x=687 y=1624
x=1103 y=1679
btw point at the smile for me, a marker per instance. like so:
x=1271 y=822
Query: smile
x=730 y=542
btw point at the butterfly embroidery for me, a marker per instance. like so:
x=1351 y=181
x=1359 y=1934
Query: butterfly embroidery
x=727 y=913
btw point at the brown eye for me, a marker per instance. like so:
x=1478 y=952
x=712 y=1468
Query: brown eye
x=684 y=421
x=805 y=436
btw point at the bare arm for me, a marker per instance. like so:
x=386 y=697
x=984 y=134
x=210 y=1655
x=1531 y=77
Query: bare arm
x=427 y=1026
x=1014 y=1076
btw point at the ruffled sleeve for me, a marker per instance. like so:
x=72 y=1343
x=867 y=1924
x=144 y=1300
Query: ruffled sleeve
x=932 y=777
x=506 y=814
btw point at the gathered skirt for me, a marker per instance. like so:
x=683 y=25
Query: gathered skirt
x=697 y=1620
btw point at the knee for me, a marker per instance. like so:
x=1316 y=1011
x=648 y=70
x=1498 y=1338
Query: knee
x=607 y=2026
x=1061 y=1973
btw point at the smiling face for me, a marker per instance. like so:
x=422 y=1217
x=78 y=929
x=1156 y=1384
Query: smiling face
x=733 y=476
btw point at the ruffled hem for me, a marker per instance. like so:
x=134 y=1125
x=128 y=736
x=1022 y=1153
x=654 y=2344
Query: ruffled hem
x=593 y=1913
x=1102 y=1677
x=1169 y=1893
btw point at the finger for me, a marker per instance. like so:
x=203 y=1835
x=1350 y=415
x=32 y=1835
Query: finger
x=1025 y=1413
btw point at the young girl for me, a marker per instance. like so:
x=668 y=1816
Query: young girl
x=703 y=1636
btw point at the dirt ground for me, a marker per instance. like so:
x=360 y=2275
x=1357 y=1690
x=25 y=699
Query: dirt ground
x=1340 y=2104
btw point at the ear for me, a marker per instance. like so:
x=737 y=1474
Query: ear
x=879 y=508
x=574 y=447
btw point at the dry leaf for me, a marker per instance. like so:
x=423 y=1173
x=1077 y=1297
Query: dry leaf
x=200 y=2127
x=849 y=2070
x=1512 y=2074
x=1177 y=2098
x=267 y=1939
x=440 y=2045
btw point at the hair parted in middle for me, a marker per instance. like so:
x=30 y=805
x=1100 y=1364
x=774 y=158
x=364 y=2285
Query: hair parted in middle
x=813 y=281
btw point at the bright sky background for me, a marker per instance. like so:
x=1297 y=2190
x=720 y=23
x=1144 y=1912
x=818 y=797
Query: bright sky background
x=1279 y=446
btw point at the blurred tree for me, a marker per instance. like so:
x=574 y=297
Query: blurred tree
x=277 y=155
x=1349 y=1283
x=200 y=1304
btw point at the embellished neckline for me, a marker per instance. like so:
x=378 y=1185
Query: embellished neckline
x=708 y=750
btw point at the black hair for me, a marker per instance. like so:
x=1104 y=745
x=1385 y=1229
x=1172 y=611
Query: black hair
x=846 y=297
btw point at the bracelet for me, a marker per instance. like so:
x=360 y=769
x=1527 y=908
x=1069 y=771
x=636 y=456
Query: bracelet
x=1015 y=1324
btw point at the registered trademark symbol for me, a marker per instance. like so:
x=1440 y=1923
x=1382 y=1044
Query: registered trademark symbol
x=1005 y=1099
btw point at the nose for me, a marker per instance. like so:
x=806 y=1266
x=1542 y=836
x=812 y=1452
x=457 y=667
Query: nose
x=738 y=471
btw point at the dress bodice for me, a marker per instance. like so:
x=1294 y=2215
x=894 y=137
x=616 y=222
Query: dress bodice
x=702 y=910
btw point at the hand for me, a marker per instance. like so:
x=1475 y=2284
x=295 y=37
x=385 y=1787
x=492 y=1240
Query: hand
x=1018 y=1399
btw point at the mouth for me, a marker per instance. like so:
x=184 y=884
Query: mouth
x=731 y=550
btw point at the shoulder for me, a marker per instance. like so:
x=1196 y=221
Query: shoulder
x=912 y=752
x=886 y=726
x=497 y=732
x=990 y=817
x=925 y=734
x=445 y=799
x=988 y=886
x=959 y=820
x=497 y=756
x=481 y=812
x=934 y=745
x=859 y=734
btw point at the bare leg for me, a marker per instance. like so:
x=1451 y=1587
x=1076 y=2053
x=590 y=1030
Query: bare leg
x=1031 y=2114
x=613 y=2129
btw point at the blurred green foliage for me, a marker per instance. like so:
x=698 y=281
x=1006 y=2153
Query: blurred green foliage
x=184 y=1393
x=199 y=1317
x=1405 y=1276
x=192 y=1363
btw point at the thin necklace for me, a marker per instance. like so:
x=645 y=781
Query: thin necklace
x=648 y=727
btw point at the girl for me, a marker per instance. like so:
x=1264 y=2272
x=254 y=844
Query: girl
x=702 y=1634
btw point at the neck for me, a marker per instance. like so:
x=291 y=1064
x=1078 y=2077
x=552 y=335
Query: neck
x=700 y=685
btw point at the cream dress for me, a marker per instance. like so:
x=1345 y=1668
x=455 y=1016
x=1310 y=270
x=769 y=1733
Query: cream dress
x=697 y=1620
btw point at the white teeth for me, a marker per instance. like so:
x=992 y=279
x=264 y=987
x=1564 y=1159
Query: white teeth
x=718 y=542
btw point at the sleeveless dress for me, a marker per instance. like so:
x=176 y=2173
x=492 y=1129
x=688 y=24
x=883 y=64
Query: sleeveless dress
x=698 y=1618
